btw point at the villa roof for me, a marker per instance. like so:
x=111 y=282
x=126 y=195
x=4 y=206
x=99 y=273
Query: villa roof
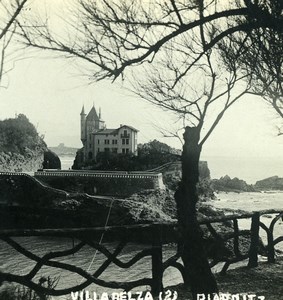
x=83 y=110
x=113 y=131
x=92 y=115
x=134 y=129
x=106 y=131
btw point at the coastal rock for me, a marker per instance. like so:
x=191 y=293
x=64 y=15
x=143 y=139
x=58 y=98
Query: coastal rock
x=16 y=162
x=227 y=184
x=270 y=183
x=51 y=160
x=21 y=147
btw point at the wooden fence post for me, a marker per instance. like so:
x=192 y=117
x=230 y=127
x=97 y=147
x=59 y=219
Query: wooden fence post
x=270 y=247
x=270 y=240
x=236 y=238
x=253 y=259
x=157 y=264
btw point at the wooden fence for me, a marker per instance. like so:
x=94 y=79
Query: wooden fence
x=156 y=235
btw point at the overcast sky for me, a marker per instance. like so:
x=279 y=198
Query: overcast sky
x=51 y=93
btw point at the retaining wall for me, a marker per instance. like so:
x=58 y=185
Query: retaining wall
x=120 y=184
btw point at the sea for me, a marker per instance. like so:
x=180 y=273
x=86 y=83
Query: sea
x=66 y=161
x=250 y=169
x=89 y=259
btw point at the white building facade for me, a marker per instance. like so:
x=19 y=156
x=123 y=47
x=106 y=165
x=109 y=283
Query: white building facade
x=97 y=138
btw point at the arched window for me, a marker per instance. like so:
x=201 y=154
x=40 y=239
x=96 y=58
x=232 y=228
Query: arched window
x=89 y=155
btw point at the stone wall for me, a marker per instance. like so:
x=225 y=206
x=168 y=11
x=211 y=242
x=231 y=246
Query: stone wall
x=119 y=184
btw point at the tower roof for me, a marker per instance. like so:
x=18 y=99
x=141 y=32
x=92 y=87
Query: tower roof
x=83 y=110
x=92 y=115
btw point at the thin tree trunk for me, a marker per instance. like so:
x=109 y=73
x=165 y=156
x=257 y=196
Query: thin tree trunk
x=198 y=274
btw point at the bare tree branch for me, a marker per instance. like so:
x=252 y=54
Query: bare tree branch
x=9 y=15
x=13 y=18
x=180 y=63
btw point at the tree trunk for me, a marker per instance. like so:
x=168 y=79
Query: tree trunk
x=198 y=274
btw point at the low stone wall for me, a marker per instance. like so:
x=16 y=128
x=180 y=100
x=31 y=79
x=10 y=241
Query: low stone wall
x=120 y=184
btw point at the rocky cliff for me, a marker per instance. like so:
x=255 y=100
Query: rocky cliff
x=22 y=149
x=270 y=183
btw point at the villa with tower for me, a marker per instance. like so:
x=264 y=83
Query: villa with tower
x=97 y=138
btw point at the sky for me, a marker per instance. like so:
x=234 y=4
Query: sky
x=50 y=93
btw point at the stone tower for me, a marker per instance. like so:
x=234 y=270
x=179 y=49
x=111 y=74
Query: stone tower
x=93 y=121
x=83 y=125
x=90 y=124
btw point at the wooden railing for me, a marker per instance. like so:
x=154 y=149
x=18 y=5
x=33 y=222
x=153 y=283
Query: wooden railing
x=253 y=234
x=86 y=237
x=156 y=235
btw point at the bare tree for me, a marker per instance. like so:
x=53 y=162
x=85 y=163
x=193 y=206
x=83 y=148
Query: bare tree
x=258 y=54
x=117 y=35
x=199 y=98
x=166 y=49
x=9 y=12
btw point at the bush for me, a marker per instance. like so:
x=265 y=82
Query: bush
x=20 y=136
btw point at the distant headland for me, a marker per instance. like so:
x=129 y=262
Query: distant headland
x=62 y=150
x=227 y=184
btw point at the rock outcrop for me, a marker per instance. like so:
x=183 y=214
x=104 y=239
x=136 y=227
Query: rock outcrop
x=21 y=147
x=270 y=183
x=228 y=184
x=16 y=162
x=51 y=160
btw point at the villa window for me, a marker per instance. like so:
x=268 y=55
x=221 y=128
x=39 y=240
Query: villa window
x=125 y=134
